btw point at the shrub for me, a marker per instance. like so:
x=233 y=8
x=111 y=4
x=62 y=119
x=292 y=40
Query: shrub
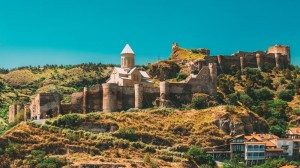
x=13 y=149
x=225 y=84
x=296 y=111
x=93 y=116
x=181 y=76
x=232 y=98
x=245 y=99
x=263 y=94
x=197 y=154
x=51 y=162
x=286 y=95
x=127 y=134
x=148 y=160
x=277 y=130
x=138 y=145
x=282 y=80
x=69 y=121
x=149 y=149
x=199 y=102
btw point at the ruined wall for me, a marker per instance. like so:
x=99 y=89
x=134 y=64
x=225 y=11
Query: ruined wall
x=205 y=81
x=45 y=104
x=180 y=92
x=94 y=99
x=12 y=113
x=276 y=56
x=14 y=110
x=149 y=95
x=284 y=51
x=126 y=97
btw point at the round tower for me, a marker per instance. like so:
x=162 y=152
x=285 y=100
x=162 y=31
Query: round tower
x=127 y=57
x=281 y=50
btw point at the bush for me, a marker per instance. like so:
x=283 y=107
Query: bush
x=286 y=95
x=149 y=149
x=69 y=121
x=277 y=130
x=51 y=162
x=225 y=84
x=199 y=156
x=138 y=145
x=127 y=134
x=148 y=160
x=181 y=76
x=199 y=102
x=232 y=99
x=263 y=94
x=245 y=99
x=93 y=116
x=282 y=80
x=13 y=150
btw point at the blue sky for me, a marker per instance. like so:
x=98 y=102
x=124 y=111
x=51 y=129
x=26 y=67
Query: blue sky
x=38 y=32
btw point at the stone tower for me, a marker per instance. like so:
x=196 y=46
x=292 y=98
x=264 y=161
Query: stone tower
x=281 y=51
x=127 y=57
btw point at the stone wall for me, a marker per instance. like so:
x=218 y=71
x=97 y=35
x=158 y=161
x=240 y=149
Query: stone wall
x=45 y=105
x=205 y=81
x=276 y=56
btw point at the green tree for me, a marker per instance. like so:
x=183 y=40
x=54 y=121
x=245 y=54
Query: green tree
x=234 y=163
x=225 y=84
x=197 y=155
x=51 y=162
x=199 y=102
x=286 y=95
x=263 y=94
x=181 y=76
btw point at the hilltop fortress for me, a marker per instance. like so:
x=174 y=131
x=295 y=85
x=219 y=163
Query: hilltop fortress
x=128 y=87
x=276 y=56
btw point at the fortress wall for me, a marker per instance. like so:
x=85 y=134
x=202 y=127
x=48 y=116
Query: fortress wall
x=268 y=60
x=66 y=108
x=228 y=61
x=201 y=82
x=12 y=113
x=126 y=96
x=212 y=59
x=94 y=99
x=149 y=95
x=77 y=102
x=180 y=92
x=250 y=61
x=49 y=104
x=27 y=115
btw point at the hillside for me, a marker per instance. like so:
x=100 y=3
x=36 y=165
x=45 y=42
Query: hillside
x=262 y=101
x=125 y=138
x=20 y=84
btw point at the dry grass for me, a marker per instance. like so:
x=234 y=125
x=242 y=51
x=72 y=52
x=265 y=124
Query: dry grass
x=185 y=54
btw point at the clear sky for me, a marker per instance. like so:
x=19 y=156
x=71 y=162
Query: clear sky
x=38 y=32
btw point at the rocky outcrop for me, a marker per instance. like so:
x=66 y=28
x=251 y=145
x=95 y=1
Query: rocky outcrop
x=245 y=122
x=163 y=70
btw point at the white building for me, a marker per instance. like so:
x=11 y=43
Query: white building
x=128 y=74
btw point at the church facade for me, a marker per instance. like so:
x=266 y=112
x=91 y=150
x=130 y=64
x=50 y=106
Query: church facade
x=128 y=74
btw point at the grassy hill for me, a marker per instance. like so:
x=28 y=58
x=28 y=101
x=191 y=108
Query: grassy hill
x=252 y=101
x=126 y=138
x=20 y=85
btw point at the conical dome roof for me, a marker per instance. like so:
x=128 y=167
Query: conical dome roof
x=127 y=50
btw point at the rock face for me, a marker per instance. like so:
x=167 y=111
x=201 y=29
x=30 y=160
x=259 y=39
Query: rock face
x=241 y=123
x=164 y=70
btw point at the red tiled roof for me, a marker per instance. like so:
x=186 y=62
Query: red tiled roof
x=270 y=144
x=295 y=130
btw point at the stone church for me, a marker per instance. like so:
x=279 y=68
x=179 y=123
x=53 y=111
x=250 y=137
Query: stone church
x=128 y=74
